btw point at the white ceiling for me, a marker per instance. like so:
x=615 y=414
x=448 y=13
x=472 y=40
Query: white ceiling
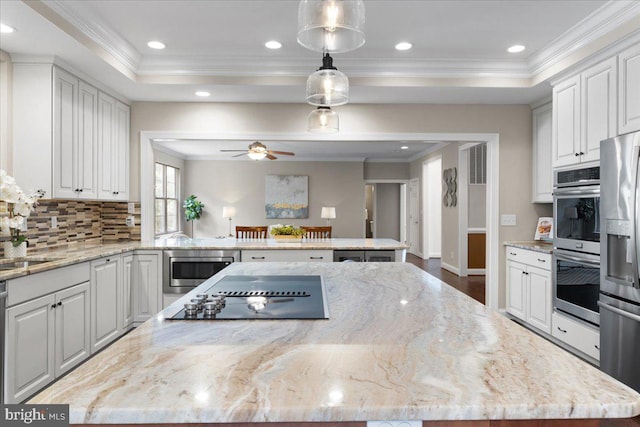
x=459 y=54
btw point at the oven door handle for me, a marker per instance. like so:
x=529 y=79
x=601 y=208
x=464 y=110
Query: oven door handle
x=564 y=257
x=619 y=311
x=577 y=191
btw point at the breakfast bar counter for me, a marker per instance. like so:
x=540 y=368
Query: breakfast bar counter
x=399 y=344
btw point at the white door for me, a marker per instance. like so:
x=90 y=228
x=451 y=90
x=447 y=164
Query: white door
x=414 y=216
x=432 y=209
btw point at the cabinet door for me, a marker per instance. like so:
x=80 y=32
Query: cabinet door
x=30 y=347
x=598 y=85
x=566 y=123
x=629 y=90
x=516 y=289
x=542 y=174
x=106 y=117
x=65 y=127
x=87 y=149
x=147 y=286
x=539 y=298
x=72 y=342
x=120 y=168
x=105 y=299
x=128 y=270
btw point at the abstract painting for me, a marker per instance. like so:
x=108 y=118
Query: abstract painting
x=286 y=196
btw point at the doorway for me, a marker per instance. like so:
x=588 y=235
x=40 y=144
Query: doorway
x=385 y=209
x=432 y=211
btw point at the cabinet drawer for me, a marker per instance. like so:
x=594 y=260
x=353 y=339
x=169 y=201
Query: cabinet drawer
x=287 y=256
x=579 y=336
x=36 y=285
x=533 y=258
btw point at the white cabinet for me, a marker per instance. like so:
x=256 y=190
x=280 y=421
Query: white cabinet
x=584 y=113
x=113 y=143
x=542 y=174
x=126 y=300
x=293 y=255
x=629 y=90
x=106 y=297
x=579 y=335
x=147 y=284
x=56 y=115
x=529 y=287
x=46 y=337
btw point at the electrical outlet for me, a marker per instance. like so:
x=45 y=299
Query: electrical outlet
x=130 y=221
x=394 y=423
x=54 y=222
x=131 y=208
x=508 y=220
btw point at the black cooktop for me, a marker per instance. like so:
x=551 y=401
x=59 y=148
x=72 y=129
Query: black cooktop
x=259 y=297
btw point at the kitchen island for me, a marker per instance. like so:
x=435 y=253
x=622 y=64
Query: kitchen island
x=399 y=345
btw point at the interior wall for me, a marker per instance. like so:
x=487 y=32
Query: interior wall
x=380 y=171
x=6 y=117
x=387 y=220
x=241 y=184
x=477 y=205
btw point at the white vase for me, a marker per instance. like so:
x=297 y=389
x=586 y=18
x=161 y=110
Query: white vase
x=11 y=251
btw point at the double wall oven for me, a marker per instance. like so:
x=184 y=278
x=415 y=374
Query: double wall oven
x=576 y=254
x=184 y=269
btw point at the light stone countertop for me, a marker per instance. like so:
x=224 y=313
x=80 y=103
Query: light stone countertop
x=533 y=245
x=76 y=253
x=439 y=356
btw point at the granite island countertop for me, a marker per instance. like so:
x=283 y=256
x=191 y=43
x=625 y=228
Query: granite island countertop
x=399 y=345
x=72 y=254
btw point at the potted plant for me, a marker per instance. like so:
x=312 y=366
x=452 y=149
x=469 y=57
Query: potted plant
x=19 y=207
x=287 y=232
x=192 y=210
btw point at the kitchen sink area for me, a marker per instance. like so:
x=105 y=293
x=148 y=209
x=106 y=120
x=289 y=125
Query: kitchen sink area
x=11 y=264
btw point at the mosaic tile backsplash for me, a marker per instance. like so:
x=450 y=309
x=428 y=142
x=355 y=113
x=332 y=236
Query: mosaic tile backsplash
x=78 y=221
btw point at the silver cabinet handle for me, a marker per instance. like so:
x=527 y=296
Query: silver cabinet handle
x=564 y=331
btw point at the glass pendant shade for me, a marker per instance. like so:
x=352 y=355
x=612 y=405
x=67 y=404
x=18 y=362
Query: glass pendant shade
x=331 y=25
x=323 y=120
x=327 y=87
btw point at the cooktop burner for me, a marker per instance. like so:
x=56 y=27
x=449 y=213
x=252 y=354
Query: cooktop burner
x=259 y=297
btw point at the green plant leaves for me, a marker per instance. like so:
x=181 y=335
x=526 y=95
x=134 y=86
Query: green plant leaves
x=192 y=208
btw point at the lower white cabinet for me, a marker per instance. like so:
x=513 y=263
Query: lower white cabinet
x=579 y=335
x=529 y=287
x=287 y=255
x=46 y=337
x=146 y=274
x=106 y=301
x=126 y=301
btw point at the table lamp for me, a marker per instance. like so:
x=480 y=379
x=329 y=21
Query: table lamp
x=328 y=213
x=229 y=212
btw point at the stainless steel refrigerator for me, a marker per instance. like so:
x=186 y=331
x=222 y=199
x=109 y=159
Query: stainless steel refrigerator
x=620 y=256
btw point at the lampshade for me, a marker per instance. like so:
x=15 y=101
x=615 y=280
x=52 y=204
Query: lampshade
x=328 y=212
x=228 y=212
x=331 y=25
x=323 y=120
x=327 y=87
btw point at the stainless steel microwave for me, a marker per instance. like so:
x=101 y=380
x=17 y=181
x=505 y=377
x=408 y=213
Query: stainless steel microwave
x=183 y=269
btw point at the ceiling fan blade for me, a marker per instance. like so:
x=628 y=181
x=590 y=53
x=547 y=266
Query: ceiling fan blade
x=239 y=155
x=231 y=151
x=284 y=153
x=270 y=157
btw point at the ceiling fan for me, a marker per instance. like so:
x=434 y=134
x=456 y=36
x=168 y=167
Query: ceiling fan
x=258 y=151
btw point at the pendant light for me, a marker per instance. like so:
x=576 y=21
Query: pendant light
x=327 y=87
x=331 y=25
x=323 y=120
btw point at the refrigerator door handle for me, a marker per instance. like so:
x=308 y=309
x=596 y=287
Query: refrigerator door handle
x=619 y=311
x=634 y=222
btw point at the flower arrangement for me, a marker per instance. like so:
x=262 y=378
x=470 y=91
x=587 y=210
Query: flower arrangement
x=287 y=230
x=19 y=206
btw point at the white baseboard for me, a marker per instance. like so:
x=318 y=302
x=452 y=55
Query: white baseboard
x=476 y=272
x=435 y=255
x=451 y=268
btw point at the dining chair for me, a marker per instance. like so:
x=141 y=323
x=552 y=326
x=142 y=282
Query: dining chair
x=323 y=232
x=251 y=232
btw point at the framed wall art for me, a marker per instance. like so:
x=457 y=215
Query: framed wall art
x=286 y=196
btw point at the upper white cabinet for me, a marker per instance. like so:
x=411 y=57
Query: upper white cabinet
x=542 y=173
x=57 y=116
x=629 y=90
x=113 y=142
x=584 y=113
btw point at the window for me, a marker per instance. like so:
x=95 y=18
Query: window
x=166 y=199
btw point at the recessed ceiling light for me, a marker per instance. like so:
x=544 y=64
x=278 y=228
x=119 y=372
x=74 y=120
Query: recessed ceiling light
x=203 y=93
x=273 y=44
x=6 y=29
x=404 y=46
x=154 y=44
x=516 y=48
x=404 y=147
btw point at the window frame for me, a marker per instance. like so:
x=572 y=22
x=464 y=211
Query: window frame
x=165 y=199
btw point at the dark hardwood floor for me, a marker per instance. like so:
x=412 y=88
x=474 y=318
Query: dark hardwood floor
x=474 y=287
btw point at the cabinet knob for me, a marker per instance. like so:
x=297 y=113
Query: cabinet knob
x=542 y=260
x=582 y=153
x=577 y=154
x=564 y=331
x=597 y=347
x=513 y=253
x=53 y=306
x=59 y=303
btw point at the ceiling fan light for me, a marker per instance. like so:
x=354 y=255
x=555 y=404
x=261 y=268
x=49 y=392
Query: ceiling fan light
x=257 y=155
x=323 y=120
x=331 y=25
